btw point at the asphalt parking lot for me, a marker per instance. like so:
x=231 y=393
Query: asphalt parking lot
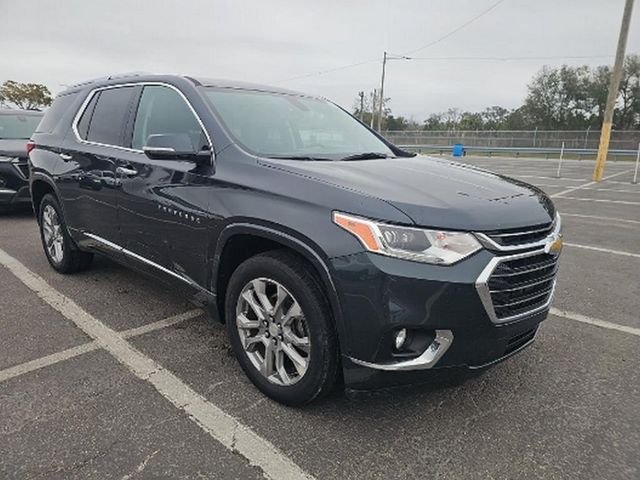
x=106 y=374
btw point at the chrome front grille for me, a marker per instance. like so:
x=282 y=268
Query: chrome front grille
x=515 y=286
x=520 y=285
x=521 y=236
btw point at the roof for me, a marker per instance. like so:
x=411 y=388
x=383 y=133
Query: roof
x=20 y=111
x=207 y=82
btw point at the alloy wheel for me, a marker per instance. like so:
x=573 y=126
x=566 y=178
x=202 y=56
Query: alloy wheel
x=52 y=233
x=273 y=331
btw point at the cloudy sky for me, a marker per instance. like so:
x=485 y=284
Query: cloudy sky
x=294 y=43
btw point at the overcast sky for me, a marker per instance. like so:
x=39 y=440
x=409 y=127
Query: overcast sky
x=65 y=41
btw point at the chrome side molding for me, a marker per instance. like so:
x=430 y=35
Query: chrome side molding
x=431 y=356
x=117 y=248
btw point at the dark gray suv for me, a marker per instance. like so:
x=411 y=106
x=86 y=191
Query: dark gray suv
x=324 y=248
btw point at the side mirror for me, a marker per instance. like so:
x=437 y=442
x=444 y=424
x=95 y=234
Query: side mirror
x=173 y=146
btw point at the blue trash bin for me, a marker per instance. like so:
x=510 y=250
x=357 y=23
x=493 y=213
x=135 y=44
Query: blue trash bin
x=458 y=150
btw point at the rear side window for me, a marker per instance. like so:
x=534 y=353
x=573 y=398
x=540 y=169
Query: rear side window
x=54 y=113
x=162 y=110
x=109 y=115
x=83 y=124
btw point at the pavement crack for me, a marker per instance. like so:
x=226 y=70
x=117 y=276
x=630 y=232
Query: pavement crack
x=141 y=466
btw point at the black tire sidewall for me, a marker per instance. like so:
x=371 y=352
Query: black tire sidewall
x=66 y=264
x=323 y=348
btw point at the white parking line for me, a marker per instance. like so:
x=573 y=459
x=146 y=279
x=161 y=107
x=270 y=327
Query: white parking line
x=226 y=429
x=47 y=360
x=544 y=178
x=69 y=353
x=588 y=184
x=594 y=321
x=603 y=250
x=598 y=200
x=167 y=322
x=595 y=217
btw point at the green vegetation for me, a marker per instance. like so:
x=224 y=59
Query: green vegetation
x=28 y=96
x=562 y=98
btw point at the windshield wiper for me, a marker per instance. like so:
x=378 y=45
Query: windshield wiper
x=365 y=156
x=301 y=157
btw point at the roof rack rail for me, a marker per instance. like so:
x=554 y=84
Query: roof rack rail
x=109 y=77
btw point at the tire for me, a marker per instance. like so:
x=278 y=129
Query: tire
x=62 y=252
x=309 y=336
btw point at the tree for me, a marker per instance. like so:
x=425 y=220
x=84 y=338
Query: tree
x=494 y=118
x=28 y=96
x=564 y=97
x=370 y=109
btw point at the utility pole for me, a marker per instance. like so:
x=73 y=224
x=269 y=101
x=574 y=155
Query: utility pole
x=361 y=94
x=381 y=100
x=616 y=76
x=373 y=107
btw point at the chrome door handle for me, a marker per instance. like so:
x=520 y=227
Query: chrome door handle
x=65 y=156
x=127 y=172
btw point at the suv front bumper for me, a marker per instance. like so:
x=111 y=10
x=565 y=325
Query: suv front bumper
x=441 y=305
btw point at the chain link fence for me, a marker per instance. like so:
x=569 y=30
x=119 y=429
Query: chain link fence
x=578 y=139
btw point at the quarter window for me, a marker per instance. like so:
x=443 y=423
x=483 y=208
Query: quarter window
x=107 y=123
x=85 y=120
x=163 y=111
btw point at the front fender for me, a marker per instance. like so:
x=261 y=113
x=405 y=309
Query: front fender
x=303 y=246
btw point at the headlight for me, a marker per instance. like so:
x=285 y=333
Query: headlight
x=417 y=244
x=6 y=159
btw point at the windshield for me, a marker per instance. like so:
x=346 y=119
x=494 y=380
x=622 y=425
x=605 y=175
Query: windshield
x=18 y=126
x=291 y=126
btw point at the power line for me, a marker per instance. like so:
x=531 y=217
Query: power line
x=324 y=72
x=456 y=30
x=357 y=64
x=506 y=59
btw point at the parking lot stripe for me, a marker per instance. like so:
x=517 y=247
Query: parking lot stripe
x=167 y=322
x=54 y=358
x=595 y=217
x=588 y=184
x=600 y=249
x=594 y=321
x=47 y=360
x=600 y=200
x=226 y=429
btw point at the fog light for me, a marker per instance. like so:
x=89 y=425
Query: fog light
x=401 y=337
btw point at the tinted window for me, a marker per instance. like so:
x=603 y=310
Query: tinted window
x=163 y=110
x=109 y=116
x=54 y=113
x=15 y=125
x=83 y=124
x=274 y=124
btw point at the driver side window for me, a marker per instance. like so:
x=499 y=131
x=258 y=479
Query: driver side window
x=162 y=110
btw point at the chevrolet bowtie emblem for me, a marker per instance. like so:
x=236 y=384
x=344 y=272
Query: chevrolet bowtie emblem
x=554 y=245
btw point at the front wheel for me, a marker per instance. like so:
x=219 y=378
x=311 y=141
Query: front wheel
x=280 y=328
x=62 y=253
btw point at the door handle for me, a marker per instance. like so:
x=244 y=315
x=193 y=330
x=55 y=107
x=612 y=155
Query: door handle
x=127 y=172
x=65 y=156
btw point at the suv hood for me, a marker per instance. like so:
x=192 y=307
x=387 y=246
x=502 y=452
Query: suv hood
x=434 y=192
x=10 y=147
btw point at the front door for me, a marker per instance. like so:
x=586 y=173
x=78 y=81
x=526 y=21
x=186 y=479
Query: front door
x=162 y=204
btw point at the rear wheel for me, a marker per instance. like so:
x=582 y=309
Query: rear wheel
x=62 y=253
x=280 y=328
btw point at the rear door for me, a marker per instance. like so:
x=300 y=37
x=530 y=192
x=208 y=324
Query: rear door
x=163 y=203
x=91 y=155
